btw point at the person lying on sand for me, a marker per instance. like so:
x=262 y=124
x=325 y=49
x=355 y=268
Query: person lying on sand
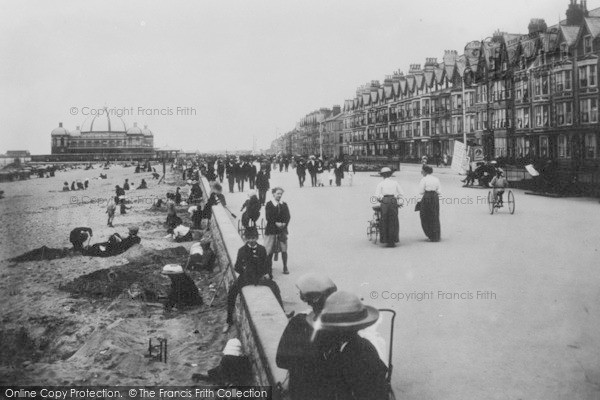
x=115 y=244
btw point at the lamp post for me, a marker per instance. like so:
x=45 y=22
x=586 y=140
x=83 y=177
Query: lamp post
x=321 y=141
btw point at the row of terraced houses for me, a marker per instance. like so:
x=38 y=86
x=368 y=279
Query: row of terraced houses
x=521 y=97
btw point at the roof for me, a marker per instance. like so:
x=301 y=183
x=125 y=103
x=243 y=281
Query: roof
x=570 y=33
x=593 y=25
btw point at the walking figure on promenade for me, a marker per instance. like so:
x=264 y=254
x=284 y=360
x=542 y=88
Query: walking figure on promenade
x=278 y=217
x=311 y=166
x=391 y=197
x=262 y=184
x=301 y=172
x=429 y=207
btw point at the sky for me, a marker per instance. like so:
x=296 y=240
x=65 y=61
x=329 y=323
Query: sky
x=239 y=70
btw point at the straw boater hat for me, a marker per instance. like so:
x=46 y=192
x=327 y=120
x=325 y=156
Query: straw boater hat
x=233 y=348
x=172 y=269
x=315 y=285
x=344 y=311
x=385 y=170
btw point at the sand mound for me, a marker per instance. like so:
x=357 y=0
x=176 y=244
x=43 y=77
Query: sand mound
x=44 y=253
x=140 y=277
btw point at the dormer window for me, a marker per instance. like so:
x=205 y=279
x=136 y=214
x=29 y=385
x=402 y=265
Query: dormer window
x=587 y=44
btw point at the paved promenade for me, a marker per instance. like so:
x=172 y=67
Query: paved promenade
x=504 y=307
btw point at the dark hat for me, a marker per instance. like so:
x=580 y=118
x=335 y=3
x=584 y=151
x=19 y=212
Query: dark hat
x=344 y=311
x=251 y=231
x=134 y=230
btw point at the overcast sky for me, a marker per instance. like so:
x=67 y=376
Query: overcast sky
x=248 y=68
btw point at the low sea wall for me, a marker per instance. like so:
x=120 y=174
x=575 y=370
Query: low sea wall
x=259 y=319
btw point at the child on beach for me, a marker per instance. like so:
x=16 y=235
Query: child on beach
x=110 y=210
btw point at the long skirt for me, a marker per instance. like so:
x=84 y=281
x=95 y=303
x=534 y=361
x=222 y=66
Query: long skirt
x=390 y=227
x=430 y=215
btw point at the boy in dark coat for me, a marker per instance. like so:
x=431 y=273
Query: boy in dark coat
x=252 y=266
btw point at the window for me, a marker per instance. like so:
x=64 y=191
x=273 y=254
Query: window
x=590 y=145
x=588 y=111
x=587 y=44
x=587 y=76
x=499 y=119
x=482 y=93
x=426 y=128
x=541 y=116
x=564 y=50
x=522 y=118
x=469 y=99
x=563 y=81
x=456 y=101
x=543 y=146
x=425 y=106
x=564 y=113
x=563 y=146
x=500 y=147
x=417 y=129
x=457 y=125
x=521 y=91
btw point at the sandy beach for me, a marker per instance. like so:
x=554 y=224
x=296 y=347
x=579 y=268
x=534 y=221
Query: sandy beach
x=73 y=320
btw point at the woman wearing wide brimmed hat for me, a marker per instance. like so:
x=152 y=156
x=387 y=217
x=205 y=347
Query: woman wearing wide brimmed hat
x=351 y=362
x=296 y=352
x=390 y=196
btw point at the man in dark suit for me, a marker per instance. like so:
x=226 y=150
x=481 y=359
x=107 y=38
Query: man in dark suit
x=301 y=172
x=230 y=171
x=220 y=169
x=262 y=184
x=238 y=171
x=252 y=264
x=278 y=218
x=311 y=166
x=252 y=171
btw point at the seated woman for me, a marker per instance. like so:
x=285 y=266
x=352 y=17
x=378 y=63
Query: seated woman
x=172 y=222
x=182 y=234
x=66 y=187
x=143 y=185
x=184 y=292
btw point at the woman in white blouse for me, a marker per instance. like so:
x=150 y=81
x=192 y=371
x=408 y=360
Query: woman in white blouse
x=430 y=190
x=390 y=196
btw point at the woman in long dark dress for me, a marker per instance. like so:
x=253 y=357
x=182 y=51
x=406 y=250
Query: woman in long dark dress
x=390 y=196
x=429 y=189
